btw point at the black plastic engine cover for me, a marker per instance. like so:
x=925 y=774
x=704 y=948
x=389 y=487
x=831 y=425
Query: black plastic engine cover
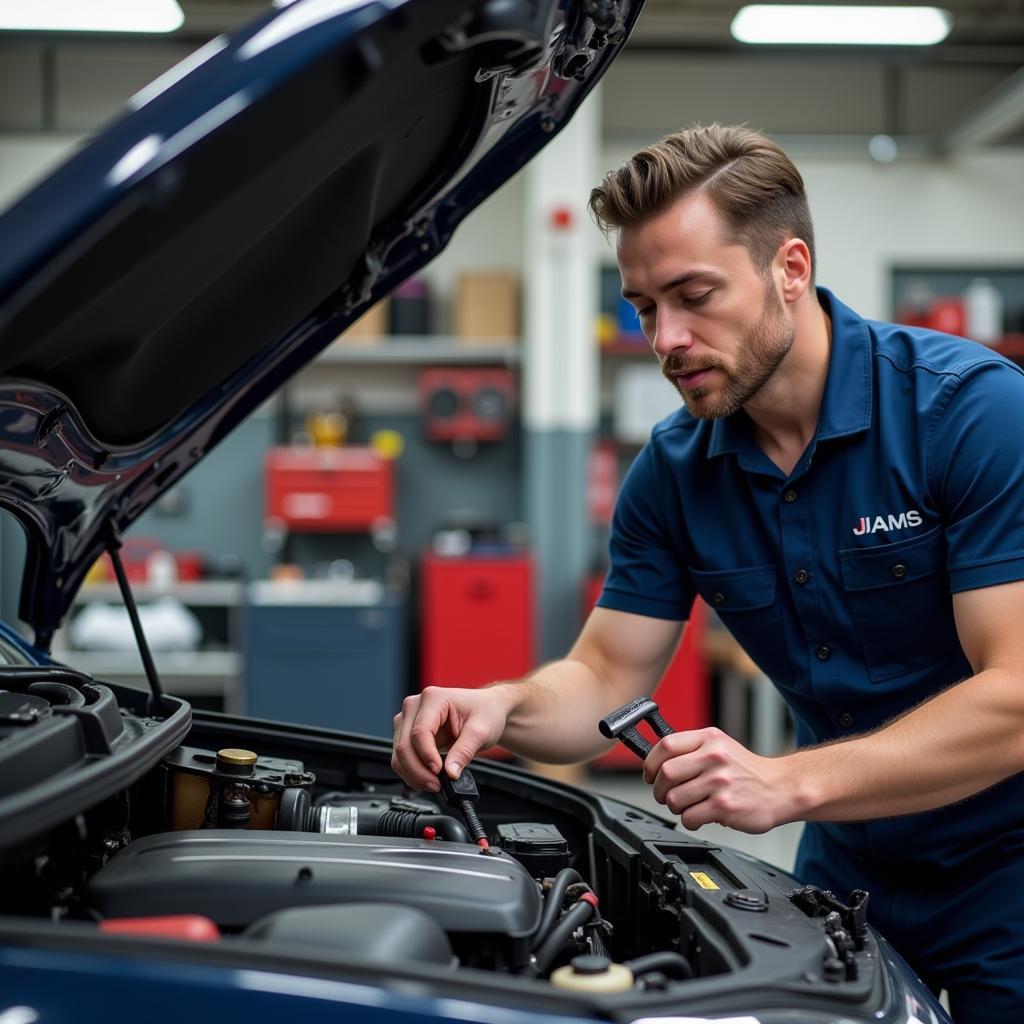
x=236 y=877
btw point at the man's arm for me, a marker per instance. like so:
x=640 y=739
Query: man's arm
x=551 y=715
x=959 y=742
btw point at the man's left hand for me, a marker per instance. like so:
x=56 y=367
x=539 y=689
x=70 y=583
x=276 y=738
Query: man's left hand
x=704 y=776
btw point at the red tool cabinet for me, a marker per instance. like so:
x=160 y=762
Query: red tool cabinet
x=683 y=693
x=477 y=619
x=329 y=489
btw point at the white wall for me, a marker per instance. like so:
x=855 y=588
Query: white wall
x=26 y=158
x=961 y=211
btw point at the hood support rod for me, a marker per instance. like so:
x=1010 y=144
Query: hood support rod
x=156 y=699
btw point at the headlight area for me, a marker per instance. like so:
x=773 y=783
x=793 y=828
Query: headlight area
x=303 y=850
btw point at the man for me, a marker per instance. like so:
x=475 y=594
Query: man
x=847 y=495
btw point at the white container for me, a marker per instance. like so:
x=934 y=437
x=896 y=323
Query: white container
x=983 y=308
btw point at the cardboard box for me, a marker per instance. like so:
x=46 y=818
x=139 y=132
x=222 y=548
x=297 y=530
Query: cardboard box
x=370 y=327
x=487 y=307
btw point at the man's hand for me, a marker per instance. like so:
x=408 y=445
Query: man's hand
x=704 y=776
x=463 y=722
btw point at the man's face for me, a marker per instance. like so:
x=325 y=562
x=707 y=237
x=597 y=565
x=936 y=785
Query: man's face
x=717 y=325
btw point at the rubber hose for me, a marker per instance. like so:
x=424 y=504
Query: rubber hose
x=673 y=964
x=553 y=903
x=411 y=824
x=15 y=677
x=578 y=914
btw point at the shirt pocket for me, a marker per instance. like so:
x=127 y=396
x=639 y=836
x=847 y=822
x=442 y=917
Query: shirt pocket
x=744 y=600
x=898 y=596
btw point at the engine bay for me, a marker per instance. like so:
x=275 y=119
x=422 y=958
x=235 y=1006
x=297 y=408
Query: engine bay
x=276 y=837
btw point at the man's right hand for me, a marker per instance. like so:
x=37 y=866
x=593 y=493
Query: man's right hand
x=461 y=721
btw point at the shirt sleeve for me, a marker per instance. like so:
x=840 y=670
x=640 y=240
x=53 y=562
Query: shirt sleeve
x=647 y=576
x=976 y=467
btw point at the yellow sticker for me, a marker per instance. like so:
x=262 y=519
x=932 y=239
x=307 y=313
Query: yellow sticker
x=705 y=881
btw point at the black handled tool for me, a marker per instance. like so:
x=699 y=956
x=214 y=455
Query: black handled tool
x=462 y=794
x=622 y=723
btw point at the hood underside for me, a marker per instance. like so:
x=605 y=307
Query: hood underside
x=237 y=218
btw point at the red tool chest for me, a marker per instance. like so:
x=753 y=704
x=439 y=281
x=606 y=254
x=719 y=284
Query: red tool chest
x=683 y=693
x=328 y=489
x=477 y=619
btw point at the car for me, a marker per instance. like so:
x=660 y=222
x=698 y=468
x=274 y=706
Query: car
x=180 y=864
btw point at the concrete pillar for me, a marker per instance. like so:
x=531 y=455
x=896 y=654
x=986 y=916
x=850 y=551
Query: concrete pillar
x=561 y=371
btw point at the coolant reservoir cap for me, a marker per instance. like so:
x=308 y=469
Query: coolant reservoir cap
x=590 y=964
x=236 y=760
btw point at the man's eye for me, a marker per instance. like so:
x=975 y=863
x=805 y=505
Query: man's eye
x=697 y=300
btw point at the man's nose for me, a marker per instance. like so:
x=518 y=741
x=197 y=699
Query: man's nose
x=672 y=334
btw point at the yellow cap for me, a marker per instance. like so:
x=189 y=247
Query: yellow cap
x=388 y=444
x=236 y=756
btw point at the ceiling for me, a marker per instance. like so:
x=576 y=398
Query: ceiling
x=680 y=66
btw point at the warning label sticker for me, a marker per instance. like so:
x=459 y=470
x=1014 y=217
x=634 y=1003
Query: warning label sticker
x=704 y=880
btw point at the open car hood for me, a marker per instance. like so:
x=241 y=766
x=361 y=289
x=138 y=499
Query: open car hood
x=246 y=208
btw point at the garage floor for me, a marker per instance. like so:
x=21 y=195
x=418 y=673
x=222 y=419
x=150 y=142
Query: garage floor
x=777 y=847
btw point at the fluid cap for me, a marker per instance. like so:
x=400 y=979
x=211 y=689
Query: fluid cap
x=593 y=974
x=236 y=761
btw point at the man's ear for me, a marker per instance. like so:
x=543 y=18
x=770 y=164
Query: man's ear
x=793 y=263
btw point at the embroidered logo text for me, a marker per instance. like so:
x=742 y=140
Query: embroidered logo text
x=872 y=524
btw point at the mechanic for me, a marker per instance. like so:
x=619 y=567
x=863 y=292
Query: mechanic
x=847 y=495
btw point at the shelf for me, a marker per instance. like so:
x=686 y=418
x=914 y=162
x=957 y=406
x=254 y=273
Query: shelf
x=415 y=350
x=189 y=665
x=200 y=594
x=627 y=349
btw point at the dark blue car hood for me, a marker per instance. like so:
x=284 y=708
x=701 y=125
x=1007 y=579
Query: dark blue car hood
x=246 y=208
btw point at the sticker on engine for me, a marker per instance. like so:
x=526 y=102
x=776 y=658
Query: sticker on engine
x=705 y=881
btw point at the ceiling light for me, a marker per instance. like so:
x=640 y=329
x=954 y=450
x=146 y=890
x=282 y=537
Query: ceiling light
x=841 y=25
x=90 y=15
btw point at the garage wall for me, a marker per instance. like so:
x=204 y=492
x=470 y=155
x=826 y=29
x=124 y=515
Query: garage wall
x=961 y=210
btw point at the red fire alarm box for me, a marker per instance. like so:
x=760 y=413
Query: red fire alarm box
x=682 y=695
x=329 y=489
x=470 y=404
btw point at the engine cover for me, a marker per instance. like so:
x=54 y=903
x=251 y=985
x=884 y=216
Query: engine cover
x=236 y=877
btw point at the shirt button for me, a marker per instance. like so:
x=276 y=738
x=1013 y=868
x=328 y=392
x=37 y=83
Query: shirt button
x=801 y=575
x=789 y=495
x=899 y=570
x=718 y=598
x=846 y=719
x=823 y=653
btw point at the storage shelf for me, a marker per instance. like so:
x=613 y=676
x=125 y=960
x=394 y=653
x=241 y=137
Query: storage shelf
x=626 y=349
x=212 y=665
x=200 y=594
x=415 y=350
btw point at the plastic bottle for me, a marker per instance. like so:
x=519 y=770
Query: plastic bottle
x=983 y=305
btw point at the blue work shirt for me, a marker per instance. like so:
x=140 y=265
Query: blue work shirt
x=837 y=579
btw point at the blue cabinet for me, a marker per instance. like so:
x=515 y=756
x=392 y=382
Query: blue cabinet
x=340 y=666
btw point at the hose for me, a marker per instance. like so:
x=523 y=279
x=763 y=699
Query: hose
x=675 y=965
x=553 y=903
x=576 y=916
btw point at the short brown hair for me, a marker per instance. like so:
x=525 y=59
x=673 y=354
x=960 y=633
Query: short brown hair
x=756 y=187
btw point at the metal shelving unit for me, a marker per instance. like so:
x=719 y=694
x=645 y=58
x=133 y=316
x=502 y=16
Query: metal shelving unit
x=417 y=350
x=212 y=673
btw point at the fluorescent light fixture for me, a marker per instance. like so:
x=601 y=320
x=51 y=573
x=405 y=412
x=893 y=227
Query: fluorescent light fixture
x=90 y=15
x=841 y=25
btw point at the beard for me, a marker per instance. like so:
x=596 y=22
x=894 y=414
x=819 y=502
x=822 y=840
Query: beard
x=759 y=355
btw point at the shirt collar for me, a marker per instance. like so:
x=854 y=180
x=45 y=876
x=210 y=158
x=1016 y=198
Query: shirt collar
x=846 y=405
